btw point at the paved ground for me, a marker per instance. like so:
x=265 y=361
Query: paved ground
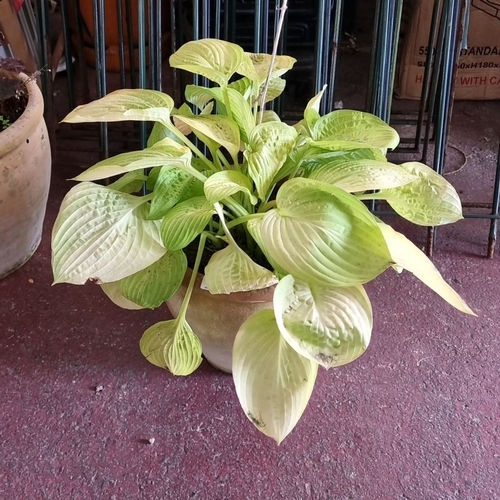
x=417 y=417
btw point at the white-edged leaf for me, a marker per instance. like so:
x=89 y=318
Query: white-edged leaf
x=226 y=183
x=346 y=129
x=273 y=382
x=321 y=234
x=329 y=325
x=101 y=234
x=220 y=129
x=408 y=256
x=430 y=200
x=269 y=146
x=155 y=284
x=112 y=290
x=165 y=152
x=216 y=60
x=125 y=104
x=172 y=345
x=183 y=223
x=362 y=175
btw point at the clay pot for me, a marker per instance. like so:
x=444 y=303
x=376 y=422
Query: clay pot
x=25 y=164
x=216 y=319
x=112 y=34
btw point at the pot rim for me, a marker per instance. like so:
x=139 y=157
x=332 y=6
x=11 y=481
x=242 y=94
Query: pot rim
x=22 y=128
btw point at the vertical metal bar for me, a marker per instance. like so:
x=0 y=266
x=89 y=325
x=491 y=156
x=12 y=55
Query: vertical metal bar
x=151 y=47
x=100 y=47
x=80 y=52
x=318 y=56
x=159 y=49
x=373 y=59
x=327 y=17
x=257 y=40
x=121 y=43
x=68 y=53
x=495 y=210
x=218 y=13
x=142 y=63
x=231 y=17
x=205 y=29
x=335 y=46
x=175 y=38
x=130 y=37
x=43 y=29
x=196 y=31
x=265 y=27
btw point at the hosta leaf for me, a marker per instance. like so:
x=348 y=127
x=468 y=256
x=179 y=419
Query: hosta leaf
x=112 y=290
x=165 y=152
x=185 y=222
x=311 y=113
x=273 y=382
x=226 y=183
x=154 y=285
x=131 y=182
x=261 y=63
x=270 y=116
x=330 y=326
x=267 y=151
x=346 y=129
x=172 y=186
x=102 y=235
x=321 y=234
x=428 y=201
x=232 y=270
x=220 y=129
x=362 y=175
x=406 y=255
x=172 y=345
x=240 y=109
x=159 y=132
x=216 y=60
x=125 y=104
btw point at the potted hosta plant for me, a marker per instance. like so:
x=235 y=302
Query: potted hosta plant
x=257 y=229
x=25 y=165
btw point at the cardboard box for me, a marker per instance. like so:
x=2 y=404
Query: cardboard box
x=478 y=75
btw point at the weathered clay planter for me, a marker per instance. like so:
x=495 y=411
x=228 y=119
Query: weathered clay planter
x=216 y=319
x=25 y=165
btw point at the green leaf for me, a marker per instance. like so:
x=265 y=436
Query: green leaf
x=330 y=326
x=172 y=345
x=131 y=182
x=267 y=151
x=232 y=270
x=216 y=60
x=346 y=129
x=428 y=201
x=102 y=235
x=226 y=183
x=240 y=109
x=406 y=255
x=363 y=175
x=160 y=132
x=165 y=152
x=155 y=284
x=270 y=116
x=220 y=129
x=172 y=186
x=125 y=104
x=311 y=113
x=185 y=222
x=273 y=382
x=262 y=62
x=321 y=234
x=112 y=290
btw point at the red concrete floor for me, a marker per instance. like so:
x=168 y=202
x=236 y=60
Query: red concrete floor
x=416 y=418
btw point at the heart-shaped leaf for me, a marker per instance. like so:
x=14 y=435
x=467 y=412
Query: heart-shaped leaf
x=125 y=104
x=321 y=234
x=172 y=345
x=226 y=183
x=157 y=283
x=273 y=382
x=101 y=234
x=330 y=326
x=112 y=290
x=183 y=223
x=430 y=200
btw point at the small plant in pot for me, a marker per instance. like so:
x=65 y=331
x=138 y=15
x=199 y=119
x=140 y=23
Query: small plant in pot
x=266 y=215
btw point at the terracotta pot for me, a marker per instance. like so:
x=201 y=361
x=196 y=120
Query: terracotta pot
x=25 y=165
x=216 y=319
x=112 y=34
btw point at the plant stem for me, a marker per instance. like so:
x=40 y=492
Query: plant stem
x=277 y=36
x=266 y=206
x=227 y=103
x=192 y=281
x=241 y=220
